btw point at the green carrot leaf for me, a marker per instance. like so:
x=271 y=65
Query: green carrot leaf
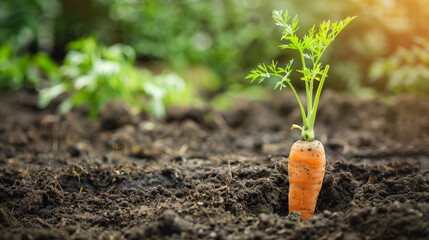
x=311 y=48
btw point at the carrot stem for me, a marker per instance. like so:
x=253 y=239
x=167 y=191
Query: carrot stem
x=304 y=117
x=307 y=90
x=312 y=116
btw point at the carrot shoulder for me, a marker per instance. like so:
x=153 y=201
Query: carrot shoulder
x=306 y=170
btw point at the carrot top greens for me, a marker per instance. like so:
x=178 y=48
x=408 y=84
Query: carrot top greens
x=311 y=48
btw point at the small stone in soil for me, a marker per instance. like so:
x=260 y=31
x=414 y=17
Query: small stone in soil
x=295 y=216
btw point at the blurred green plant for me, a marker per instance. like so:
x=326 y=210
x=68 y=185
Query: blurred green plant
x=223 y=35
x=93 y=74
x=28 y=25
x=383 y=26
x=27 y=71
x=219 y=40
x=406 y=70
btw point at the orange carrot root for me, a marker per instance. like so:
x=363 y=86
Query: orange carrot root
x=306 y=171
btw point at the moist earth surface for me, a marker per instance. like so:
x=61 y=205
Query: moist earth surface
x=211 y=174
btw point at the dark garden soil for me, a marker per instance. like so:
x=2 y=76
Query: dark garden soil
x=208 y=174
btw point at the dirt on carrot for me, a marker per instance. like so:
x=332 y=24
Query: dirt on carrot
x=207 y=174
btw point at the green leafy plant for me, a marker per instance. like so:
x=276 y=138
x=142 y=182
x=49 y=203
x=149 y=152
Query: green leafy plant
x=195 y=34
x=93 y=74
x=28 y=24
x=310 y=48
x=406 y=70
x=26 y=71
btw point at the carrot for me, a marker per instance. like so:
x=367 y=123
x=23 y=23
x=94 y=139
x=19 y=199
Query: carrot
x=307 y=156
x=306 y=169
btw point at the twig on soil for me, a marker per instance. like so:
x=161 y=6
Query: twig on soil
x=371 y=179
x=229 y=167
x=208 y=215
x=26 y=173
x=338 y=142
x=179 y=153
x=53 y=175
x=220 y=121
x=43 y=223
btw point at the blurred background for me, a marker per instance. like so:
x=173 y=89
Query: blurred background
x=158 y=53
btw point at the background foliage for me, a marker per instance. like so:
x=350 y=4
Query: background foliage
x=212 y=44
